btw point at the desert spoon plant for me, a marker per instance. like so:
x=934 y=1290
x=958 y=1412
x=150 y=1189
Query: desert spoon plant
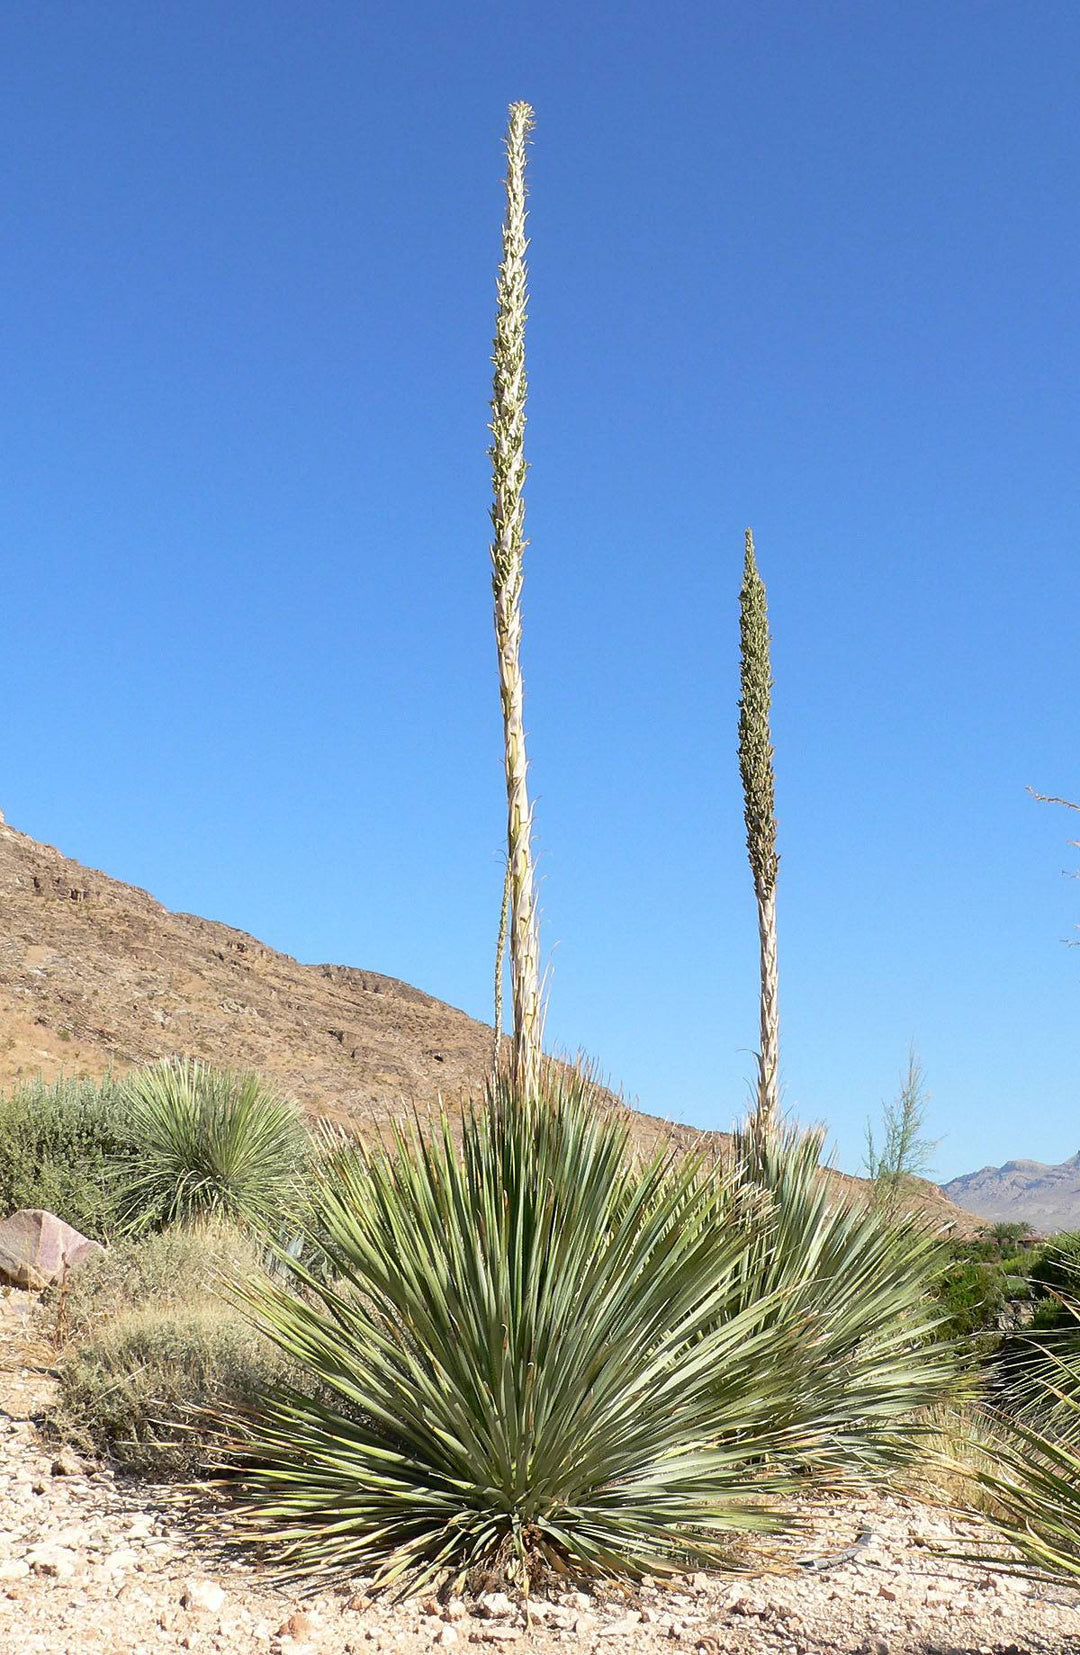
x=525 y=1360
x=759 y=789
x=507 y=558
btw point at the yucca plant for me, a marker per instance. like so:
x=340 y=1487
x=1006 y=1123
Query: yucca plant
x=848 y=1290
x=213 y=1144
x=1022 y=1454
x=507 y=571
x=1043 y=1388
x=524 y=1358
x=759 y=792
x=1032 y=1484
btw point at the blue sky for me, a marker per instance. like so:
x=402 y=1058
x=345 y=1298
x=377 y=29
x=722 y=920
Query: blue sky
x=810 y=267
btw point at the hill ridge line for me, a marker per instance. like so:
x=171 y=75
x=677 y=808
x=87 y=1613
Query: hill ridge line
x=98 y=974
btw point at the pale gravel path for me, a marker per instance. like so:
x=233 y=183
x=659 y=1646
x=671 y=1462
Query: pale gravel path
x=93 y=1566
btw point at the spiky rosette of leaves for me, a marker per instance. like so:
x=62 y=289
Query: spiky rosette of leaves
x=525 y=1357
x=847 y=1288
x=213 y=1144
x=1034 y=1493
x=1022 y=1453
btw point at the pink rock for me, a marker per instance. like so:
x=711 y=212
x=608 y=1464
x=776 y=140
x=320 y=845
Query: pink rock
x=37 y=1248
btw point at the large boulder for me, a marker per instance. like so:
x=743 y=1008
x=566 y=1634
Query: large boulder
x=37 y=1249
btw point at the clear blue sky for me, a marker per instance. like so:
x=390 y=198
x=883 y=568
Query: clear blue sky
x=807 y=266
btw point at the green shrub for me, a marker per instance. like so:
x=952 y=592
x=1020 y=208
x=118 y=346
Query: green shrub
x=984 y=1291
x=151 y=1350
x=1057 y=1264
x=68 y=1146
x=214 y=1143
x=537 y=1354
x=1049 y=1314
x=973 y=1296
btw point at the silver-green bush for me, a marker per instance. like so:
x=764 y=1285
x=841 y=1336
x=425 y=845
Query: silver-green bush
x=847 y=1288
x=533 y=1353
x=214 y=1144
x=68 y=1146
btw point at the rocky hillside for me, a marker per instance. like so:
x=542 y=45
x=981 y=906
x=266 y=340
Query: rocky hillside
x=1023 y=1192
x=96 y=974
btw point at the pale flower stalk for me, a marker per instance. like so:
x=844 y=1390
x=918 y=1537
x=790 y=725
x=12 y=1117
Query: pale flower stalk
x=500 y=959
x=507 y=558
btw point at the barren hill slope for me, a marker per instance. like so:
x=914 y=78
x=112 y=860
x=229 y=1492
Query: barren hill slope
x=97 y=974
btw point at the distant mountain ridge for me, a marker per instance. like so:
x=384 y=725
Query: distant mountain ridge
x=1022 y=1192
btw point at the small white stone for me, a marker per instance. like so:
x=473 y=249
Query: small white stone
x=125 y=1557
x=203 y=1595
x=621 y=1628
x=59 y=1562
x=496 y=1605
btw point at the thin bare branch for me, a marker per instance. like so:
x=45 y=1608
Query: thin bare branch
x=1052 y=799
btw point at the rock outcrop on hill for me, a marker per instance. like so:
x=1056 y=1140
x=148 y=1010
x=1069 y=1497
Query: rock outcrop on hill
x=95 y=974
x=1023 y=1192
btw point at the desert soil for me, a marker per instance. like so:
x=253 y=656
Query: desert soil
x=93 y=1565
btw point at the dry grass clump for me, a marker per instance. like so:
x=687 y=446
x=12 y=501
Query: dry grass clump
x=150 y=1347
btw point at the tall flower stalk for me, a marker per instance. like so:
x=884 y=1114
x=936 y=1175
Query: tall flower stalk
x=500 y=961
x=759 y=792
x=507 y=559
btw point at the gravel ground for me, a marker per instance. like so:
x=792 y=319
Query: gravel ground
x=91 y=1565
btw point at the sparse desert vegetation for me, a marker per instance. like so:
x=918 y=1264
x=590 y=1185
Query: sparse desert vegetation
x=516 y=1355
x=150 y=1350
x=524 y=1354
